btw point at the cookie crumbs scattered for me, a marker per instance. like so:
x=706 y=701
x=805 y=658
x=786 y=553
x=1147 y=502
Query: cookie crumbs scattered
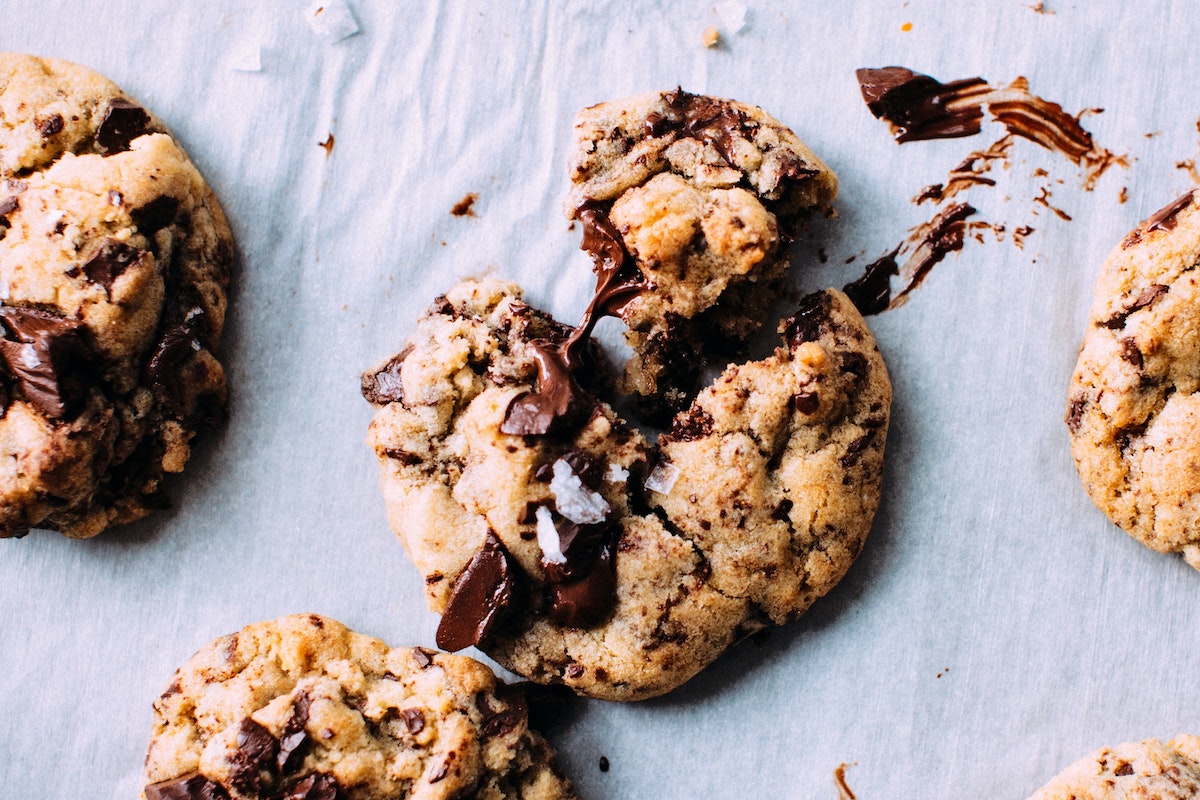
x=466 y=206
x=711 y=37
x=604 y=763
x=327 y=144
x=332 y=20
x=1040 y=8
x=1043 y=199
x=839 y=780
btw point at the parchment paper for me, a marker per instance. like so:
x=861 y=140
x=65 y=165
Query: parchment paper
x=996 y=627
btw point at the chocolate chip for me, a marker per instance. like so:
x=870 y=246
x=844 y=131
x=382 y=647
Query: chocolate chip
x=810 y=319
x=806 y=402
x=1147 y=297
x=575 y=671
x=1165 y=218
x=558 y=405
x=424 y=660
x=604 y=763
x=587 y=466
x=256 y=752
x=192 y=786
x=318 y=786
x=855 y=364
x=782 y=510
x=503 y=721
x=414 y=720
x=123 y=122
x=155 y=215
x=8 y=205
x=1124 y=768
x=1075 y=413
x=382 y=385
x=1131 y=353
x=49 y=358
x=585 y=601
x=481 y=595
x=294 y=739
x=855 y=449
x=50 y=126
x=110 y=261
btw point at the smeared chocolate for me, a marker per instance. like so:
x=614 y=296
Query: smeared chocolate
x=48 y=356
x=481 y=595
x=920 y=107
x=710 y=120
x=812 y=315
x=255 y=755
x=192 y=786
x=110 y=261
x=50 y=126
x=382 y=385
x=318 y=786
x=155 y=215
x=559 y=403
x=872 y=291
x=123 y=122
x=293 y=740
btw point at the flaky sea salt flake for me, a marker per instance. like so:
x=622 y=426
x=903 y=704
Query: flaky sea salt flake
x=616 y=474
x=662 y=479
x=547 y=537
x=575 y=501
x=332 y=20
x=732 y=15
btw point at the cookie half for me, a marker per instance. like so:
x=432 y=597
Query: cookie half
x=114 y=263
x=1152 y=770
x=590 y=556
x=688 y=204
x=1133 y=411
x=303 y=708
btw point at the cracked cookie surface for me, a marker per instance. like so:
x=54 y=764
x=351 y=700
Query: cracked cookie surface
x=591 y=556
x=698 y=197
x=1134 y=405
x=114 y=263
x=303 y=708
x=1149 y=770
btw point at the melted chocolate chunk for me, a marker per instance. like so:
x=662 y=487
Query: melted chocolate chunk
x=155 y=215
x=256 y=752
x=558 y=405
x=318 y=786
x=383 y=385
x=192 y=786
x=810 y=319
x=585 y=601
x=294 y=739
x=414 y=720
x=1162 y=220
x=1075 y=413
x=712 y=121
x=920 y=107
x=872 y=292
x=123 y=122
x=48 y=357
x=481 y=595
x=110 y=261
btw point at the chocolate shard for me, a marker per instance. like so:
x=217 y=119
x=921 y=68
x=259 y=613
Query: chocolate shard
x=414 y=720
x=587 y=466
x=176 y=344
x=382 y=385
x=255 y=755
x=110 y=261
x=810 y=319
x=584 y=602
x=48 y=356
x=504 y=720
x=1165 y=218
x=50 y=126
x=123 y=122
x=318 y=786
x=294 y=739
x=920 y=107
x=1147 y=297
x=481 y=595
x=192 y=786
x=155 y=215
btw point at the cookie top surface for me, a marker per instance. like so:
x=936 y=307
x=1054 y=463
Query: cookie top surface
x=303 y=708
x=1149 y=770
x=692 y=200
x=114 y=263
x=1134 y=406
x=592 y=557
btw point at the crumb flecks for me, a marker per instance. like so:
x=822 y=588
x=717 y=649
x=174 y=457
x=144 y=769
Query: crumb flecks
x=466 y=206
x=327 y=145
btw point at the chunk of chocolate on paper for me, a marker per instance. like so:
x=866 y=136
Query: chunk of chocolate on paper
x=48 y=357
x=481 y=595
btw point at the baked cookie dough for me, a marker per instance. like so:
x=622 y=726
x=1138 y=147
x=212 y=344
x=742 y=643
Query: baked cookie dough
x=304 y=709
x=687 y=205
x=567 y=546
x=1134 y=405
x=114 y=262
x=1150 y=770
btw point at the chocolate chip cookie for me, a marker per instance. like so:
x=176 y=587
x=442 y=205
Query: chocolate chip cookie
x=1134 y=405
x=688 y=204
x=1152 y=770
x=569 y=547
x=304 y=709
x=114 y=263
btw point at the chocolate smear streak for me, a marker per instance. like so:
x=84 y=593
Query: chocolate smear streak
x=481 y=595
x=919 y=107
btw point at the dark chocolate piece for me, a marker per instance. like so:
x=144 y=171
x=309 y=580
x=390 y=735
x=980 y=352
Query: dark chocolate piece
x=559 y=403
x=1147 y=297
x=588 y=467
x=414 y=720
x=1162 y=220
x=502 y=721
x=318 y=786
x=123 y=122
x=110 y=261
x=256 y=752
x=8 y=205
x=192 y=786
x=155 y=215
x=294 y=739
x=176 y=344
x=585 y=601
x=382 y=385
x=50 y=126
x=48 y=356
x=810 y=319
x=919 y=107
x=481 y=595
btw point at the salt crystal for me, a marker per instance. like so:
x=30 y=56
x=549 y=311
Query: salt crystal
x=616 y=474
x=332 y=20
x=575 y=501
x=547 y=537
x=662 y=479
x=732 y=14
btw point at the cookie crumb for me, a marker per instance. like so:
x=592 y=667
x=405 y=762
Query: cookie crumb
x=332 y=20
x=906 y=27
x=604 y=763
x=711 y=37
x=327 y=144
x=1189 y=166
x=1122 y=196
x=943 y=672
x=839 y=780
x=466 y=206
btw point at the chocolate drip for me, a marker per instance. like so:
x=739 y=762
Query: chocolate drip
x=920 y=107
x=48 y=356
x=192 y=786
x=123 y=122
x=558 y=405
x=481 y=595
